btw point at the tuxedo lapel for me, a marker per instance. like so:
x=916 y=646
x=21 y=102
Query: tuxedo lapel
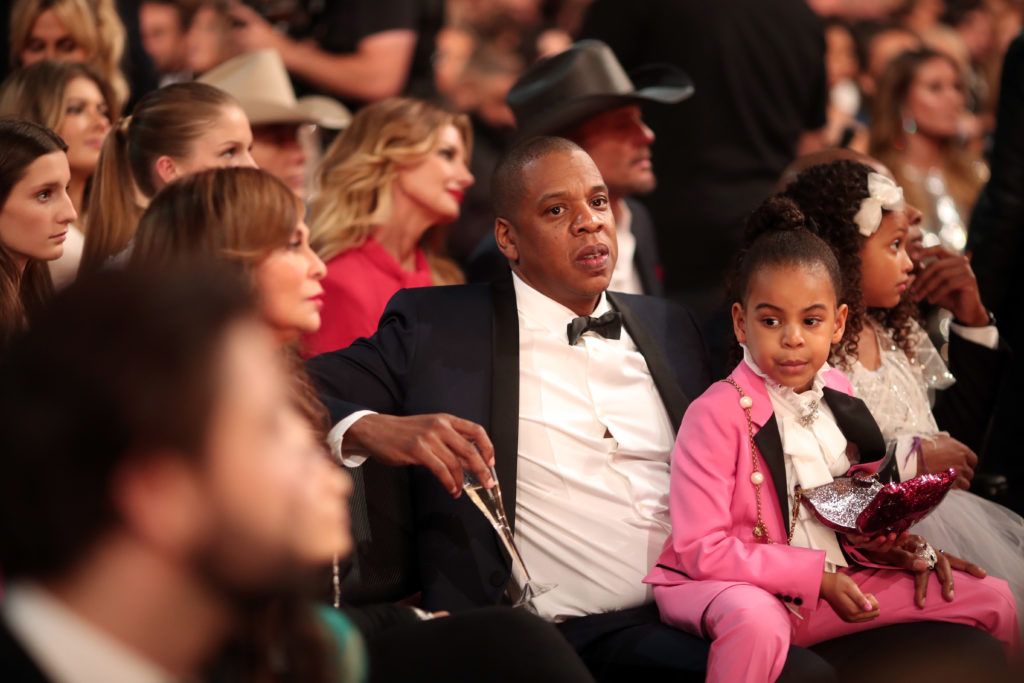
x=504 y=431
x=671 y=394
x=856 y=424
x=769 y=443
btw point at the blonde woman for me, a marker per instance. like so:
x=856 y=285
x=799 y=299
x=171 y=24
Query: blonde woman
x=73 y=31
x=388 y=186
x=75 y=102
x=173 y=132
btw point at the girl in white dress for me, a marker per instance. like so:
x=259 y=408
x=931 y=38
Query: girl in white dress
x=893 y=366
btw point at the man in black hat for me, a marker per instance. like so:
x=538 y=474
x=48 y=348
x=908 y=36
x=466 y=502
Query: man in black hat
x=584 y=94
x=759 y=70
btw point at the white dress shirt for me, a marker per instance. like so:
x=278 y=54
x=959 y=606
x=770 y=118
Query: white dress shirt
x=625 y=277
x=593 y=469
x=67 y=648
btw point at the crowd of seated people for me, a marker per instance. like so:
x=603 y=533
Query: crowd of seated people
x=463 y=340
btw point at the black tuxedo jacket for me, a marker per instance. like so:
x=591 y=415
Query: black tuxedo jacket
x=16 y=666
x=488 y=264
x=456 y=350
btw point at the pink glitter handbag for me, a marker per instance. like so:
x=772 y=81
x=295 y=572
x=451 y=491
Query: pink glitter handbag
x=866 y=506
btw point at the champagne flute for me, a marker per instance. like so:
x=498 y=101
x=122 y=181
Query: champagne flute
x=521 y=589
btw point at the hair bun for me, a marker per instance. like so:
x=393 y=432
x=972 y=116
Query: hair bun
x=774 y=214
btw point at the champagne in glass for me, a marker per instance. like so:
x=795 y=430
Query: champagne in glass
x=521 y=589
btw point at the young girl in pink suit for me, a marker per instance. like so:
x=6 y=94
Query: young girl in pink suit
x=744 y=566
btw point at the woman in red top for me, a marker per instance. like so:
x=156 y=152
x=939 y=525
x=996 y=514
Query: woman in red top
x=388 y=185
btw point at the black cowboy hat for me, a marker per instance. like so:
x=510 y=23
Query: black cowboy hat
x=587 y=79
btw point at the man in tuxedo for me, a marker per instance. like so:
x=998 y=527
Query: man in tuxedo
x=571 y=392
x=159 y=489
x=585 y=95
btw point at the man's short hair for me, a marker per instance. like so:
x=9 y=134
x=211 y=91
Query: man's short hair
x=119 y=366
x=508 y=186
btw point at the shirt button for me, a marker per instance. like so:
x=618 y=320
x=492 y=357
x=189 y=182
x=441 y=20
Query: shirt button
x=787 y=598
x=497 y=578
x=798 y=601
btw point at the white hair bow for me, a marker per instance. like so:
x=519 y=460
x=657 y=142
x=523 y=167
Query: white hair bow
x=883 y=193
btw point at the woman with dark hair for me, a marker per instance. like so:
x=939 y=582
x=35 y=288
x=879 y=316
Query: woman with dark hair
x=35 y=215
x=916 y=130
x=73 y=100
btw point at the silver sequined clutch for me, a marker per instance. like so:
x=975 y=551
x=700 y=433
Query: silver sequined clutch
x=866 y=506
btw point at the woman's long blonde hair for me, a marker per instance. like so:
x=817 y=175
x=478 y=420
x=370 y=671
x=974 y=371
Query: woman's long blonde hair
x=359 y=172
x=165 y=122
x=888 y=138
x=94 y=24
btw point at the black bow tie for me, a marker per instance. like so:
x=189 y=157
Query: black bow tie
x=608 y=326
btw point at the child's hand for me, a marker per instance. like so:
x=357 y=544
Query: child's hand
x=882 y=544
x=845 y=597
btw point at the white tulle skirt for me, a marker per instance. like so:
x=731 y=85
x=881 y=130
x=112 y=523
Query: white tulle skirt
x=982 y=532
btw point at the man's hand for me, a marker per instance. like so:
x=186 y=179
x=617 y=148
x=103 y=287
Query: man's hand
x=444 y=444
x=941 y=452
x=946 y=279
x=251 y=31
x=845 y=597
x=908 y=555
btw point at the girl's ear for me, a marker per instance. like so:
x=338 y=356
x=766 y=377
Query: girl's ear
x=166 y=169
x=739 y=323
x=841 y=313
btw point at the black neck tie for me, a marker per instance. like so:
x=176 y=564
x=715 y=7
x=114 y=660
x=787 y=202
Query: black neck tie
x=608 y=326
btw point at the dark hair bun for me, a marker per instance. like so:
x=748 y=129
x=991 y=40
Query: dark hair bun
x=775 y=214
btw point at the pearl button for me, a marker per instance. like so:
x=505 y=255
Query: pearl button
x=757 y=478
x=746 y=401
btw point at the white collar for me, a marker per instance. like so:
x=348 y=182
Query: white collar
x=784 y=393
x=546 y=312
x=67 y=647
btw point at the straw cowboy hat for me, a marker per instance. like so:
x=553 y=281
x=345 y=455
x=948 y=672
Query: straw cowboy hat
x=585 y=80
x=259 y=81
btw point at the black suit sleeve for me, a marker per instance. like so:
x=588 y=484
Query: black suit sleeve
x=370 y=374
x=965 y=409
x=996 y=234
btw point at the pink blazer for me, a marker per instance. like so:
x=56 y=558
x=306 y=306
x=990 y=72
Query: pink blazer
x=713 y=507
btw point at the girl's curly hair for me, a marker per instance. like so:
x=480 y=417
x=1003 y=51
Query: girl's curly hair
x=829 y=196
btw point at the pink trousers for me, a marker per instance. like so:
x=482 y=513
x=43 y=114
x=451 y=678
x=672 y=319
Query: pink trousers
x=751 y=630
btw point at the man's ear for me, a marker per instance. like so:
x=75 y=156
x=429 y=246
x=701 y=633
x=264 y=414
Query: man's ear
x=841 y=314
x=505 y=236
x=738 y=324
x=166 y=169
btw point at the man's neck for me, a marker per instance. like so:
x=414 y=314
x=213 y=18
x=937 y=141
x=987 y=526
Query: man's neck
x=157 y=609
x=579 y=306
